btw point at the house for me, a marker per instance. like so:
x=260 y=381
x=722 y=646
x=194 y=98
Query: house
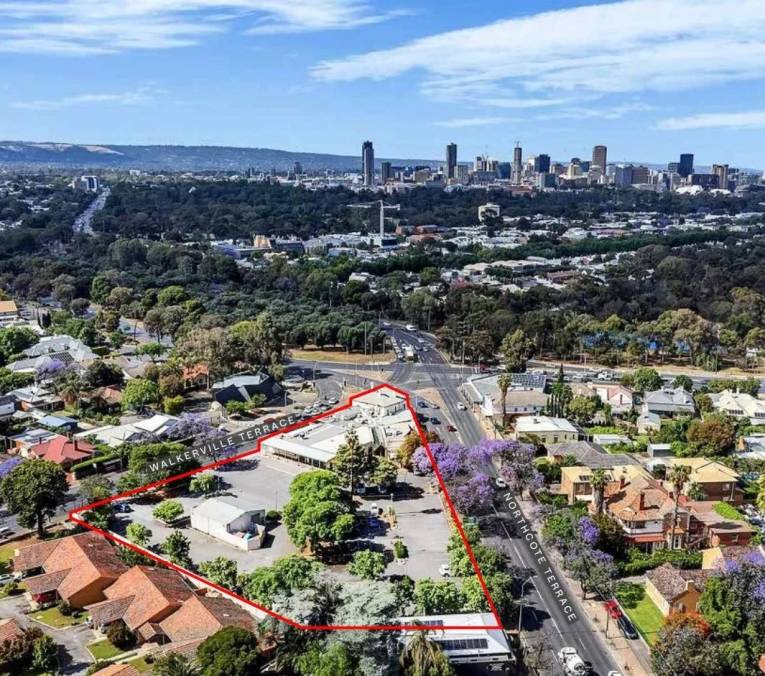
x=141 y=597
x=58 y=423
x=63 y=451
x=718 y=557
x=53 y=352
x=708 y=528
x=21 y=443
x=621 y=399
x=719 y=483
x=546 y=429
x=243 y=388
x=525 y=396
x=118 y=670
x=201 y=616
x=576 y=481
x=589 y=454
x=648 y=422
x=10 y=630
x=659 y=450
x=674 y=590
x=7 y=406
x=232 y=521
x=9 y=313
x=37 y=397
x=475 y=646
x=669 y=402
x=76 y=569
x=739 y=405
x=105 y=399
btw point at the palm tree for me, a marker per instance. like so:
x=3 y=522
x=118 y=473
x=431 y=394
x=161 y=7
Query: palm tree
x=678 y=476
x=598 y=481
x=423 y=657
x=174 y=664
x=503 y=383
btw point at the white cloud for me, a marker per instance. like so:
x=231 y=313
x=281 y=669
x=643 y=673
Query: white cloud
x=131 y=98
x=461 y=122
x=753 y=119
x=83 y=27
x=579 y=54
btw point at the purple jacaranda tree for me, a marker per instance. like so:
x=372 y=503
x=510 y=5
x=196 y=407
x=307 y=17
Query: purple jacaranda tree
x=592 y=568
x=588 y=531
x=50 y=369
x=517 y=466
x=474 y=495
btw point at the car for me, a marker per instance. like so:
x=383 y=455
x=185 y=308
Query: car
x=627 y=627
x=499 y=482
x=614 y=673
x=5 y=532
x=451 y=428
x=461 y=406
x=122 y=507
x=386 y=325
x=5 y=578
x=411 y=327
x=444 y=570
x=374 y=510
x=436 y=406
x=435 y=421
x=422 y=404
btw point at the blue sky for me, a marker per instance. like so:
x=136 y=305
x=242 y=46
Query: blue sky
x=649 y=78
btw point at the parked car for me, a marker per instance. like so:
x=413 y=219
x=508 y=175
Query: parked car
x=444 y=570
x=422 y=404
x=122 y=507
x=627 y=627
x=461 y=406
x=5 y=578
x=451 y=428
x=499 y=482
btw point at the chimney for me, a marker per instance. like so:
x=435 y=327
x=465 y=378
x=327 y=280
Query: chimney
x=641 y=504
x=622 y=482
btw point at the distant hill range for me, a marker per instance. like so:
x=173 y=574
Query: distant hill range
x=176 y=158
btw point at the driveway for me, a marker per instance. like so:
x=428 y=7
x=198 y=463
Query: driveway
x=74 y=657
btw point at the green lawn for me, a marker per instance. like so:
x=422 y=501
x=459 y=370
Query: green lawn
x=54 y=618
x=104 y=650
x=140 y=664
x=643 y=612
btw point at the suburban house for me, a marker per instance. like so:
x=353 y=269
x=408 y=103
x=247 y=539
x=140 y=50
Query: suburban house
x=739 y=405
x=141 y=597
x=52 y=351
x=621 y=399
x=707 y=528
x=484 y=649
x=9 y=313
x=76 y=569
x=118 y=669
x=719 y=483
x=546 y=429
x=243 y=388
x=232 y=521
x=576 y=481
x=648 y=422
x=669 y=402
x=63 y=451
x=520 y=399
x=201 y=616
x=588 y=454
x=7 y=406
x=21 y=443
x=37 y=397
x=675 y=590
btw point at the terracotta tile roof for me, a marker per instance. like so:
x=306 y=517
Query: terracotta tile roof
x=47 y=582
x=201 y=616
x=149 y=631
x=10 y=629
x=186 y=648
x=670 y=582
x=106 y=612
x=117 y=670
x=157 y=592
x=33 y=556
x=640 y=500
x=87 y=559
x=60 y=449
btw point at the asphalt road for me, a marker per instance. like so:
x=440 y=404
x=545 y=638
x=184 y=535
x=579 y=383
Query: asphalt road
x=544 y=617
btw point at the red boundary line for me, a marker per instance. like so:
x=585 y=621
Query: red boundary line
x=312 y=627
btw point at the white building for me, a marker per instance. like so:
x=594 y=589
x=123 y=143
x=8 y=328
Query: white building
x=477 y=646
x=739 y=405
x=231 y=521
x=545 y=428
x=383 y=402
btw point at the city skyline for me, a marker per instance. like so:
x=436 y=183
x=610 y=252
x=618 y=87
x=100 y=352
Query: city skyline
x=412 y=75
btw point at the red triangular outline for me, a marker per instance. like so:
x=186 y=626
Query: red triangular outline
x=309 y=627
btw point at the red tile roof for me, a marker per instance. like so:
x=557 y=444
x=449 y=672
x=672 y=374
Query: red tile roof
x=61 y=450
x=87 y=559
x=47 y=582
x=202 y=616
x=156 y=593
x=117 y=670
x=670 y=582
x=10 y=629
